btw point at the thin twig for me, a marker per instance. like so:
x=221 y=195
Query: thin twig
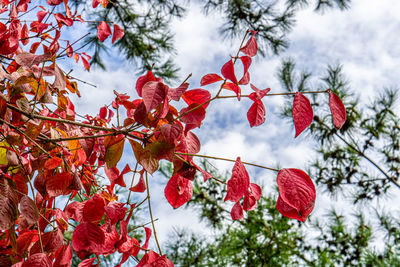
x=231 y=160
x=151 y=214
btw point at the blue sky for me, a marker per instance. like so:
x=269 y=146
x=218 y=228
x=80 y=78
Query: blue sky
x=364 y=39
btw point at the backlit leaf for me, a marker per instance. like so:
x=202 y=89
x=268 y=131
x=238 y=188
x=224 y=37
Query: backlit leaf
x=178 y=191
x=238 y=185
x=93 y=210
x=256 y=114
x=237 y=211
x=153 y=94
x=251 y=47
x=228 y=71
x=297 y=192
x=114 y=151
x=210 y=78
x=88 y=237
x=302 y=113
x=198 y=96
x=103 y=31
x=118 y=33
x=337 y=109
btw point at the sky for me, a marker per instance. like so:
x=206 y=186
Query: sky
x=363 y=39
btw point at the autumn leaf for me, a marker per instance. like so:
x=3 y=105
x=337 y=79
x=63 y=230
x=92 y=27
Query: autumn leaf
x=93 y=210
x=178 y=191
x=238 y=185
x=296 y=194
x=8 y=204
x=88 y=237
x=250 y=49
x=237 y=211
x=103 y=31
x=302 y=113
x=29 y=210
x=118 y=33
x=210 y=78
x=153 y=94
x=256 y=114
x=228 y=71
x=337 y=109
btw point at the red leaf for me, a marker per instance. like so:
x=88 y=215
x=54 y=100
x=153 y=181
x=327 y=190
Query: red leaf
x=302 y=113
x=233 y=87
x=237 y=211
x=246 y=65
x=206 y=175
x=153 y=94
x=140 y=186
x=59 y=184
x=93 y=210
x=171 y=132
x=114 y=150
x=239 y=183
x=87 y=262
x=189 y=143
x=25 y=35
x=75 y=211
x=228 y=71
x=86 y=64
x=52 y=163
x=115 y=211
x=88 y=237
x=103 y=31
x=153 y=259
x=256 y=114
x=64 y=257
x=178 y=191
x=193 y=118
x=210 y=78
x=142 y=80
x=251 y=47
x=148 y=235
x=258 y=94
x=297 y=192
x=198 y=96
x=337 y=109
x=37 y=260
x=114 y=175
x=118 y=33
x=29 y=210
x=176 y=93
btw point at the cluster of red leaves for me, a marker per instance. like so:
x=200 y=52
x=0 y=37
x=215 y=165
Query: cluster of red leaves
x=45 y=153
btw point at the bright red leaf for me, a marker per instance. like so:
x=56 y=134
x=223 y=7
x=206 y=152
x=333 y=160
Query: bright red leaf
x=118 y=33
x=93 y=210
x=256 y=114
x=178 y=191
x=210 y=78
x=297 y=194
x=103 y=31
x=337 y=109
x=153 y=94
x=238 y=185
x=198 y=96
x=88 y=237
x=237 y=211
x=233 y=87
x=192 y=116
x=302 y=113
x=228 y=71
x=140 y=186
x=251 y=47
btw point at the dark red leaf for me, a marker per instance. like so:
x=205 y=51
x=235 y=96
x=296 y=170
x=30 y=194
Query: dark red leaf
x=8 y=204
x=228 y=71
x=197 y=96
x=87 y=262
x=118 y=33
x=239 y=183
x=210 y=78
x=64 y=257
x=171 y=132
x=52 y=163
x=302 y=113
x=251 y=47
x=256 y=114
x=37 y=260
x=93 y=210
x=297 y=191
x=74 y=211
x=337 y=109
x=103 y=31
x=153 y=94
x=178 y=191
x=58 y=184
x=88 y=237
x=29 y=210
x=237 y=211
